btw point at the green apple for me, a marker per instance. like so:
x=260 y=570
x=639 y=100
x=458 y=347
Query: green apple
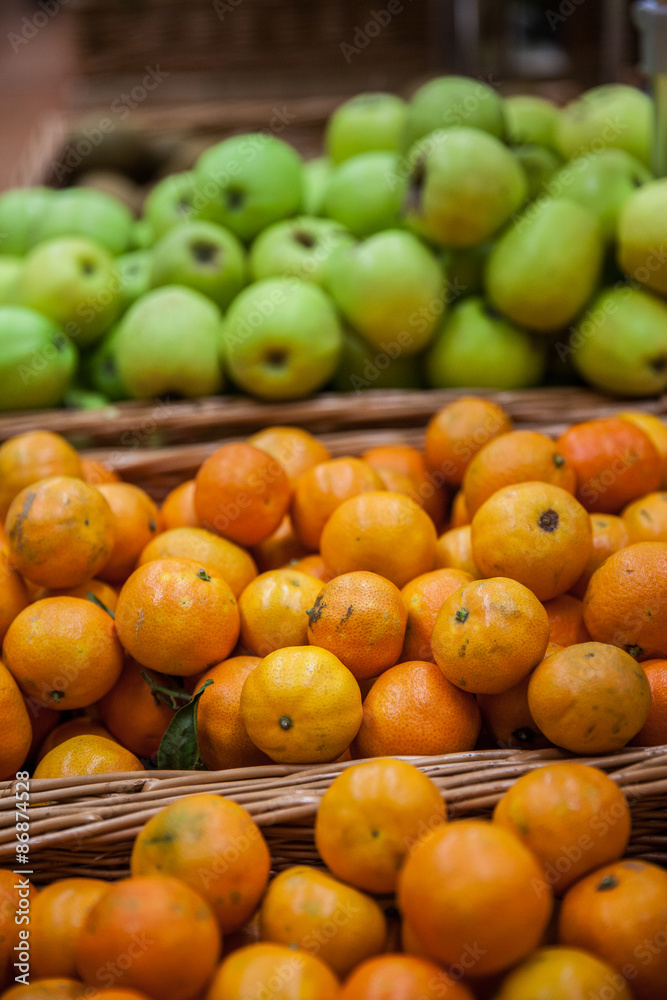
x=476 y=346
x=365 y=123
x=452 y=102
x=545 y=267
x=315 y=178
x=362 y=366
x=99 y=368
x=134 y=273
x=85 y=212
x=170 y=202
x=642 y=236
x=143 y=235
x=75 y=283
x=10 y=268
x=203 y=256
x=21 y=212
x=531 y=121
x=298 y=247
x=539 y=165
x=281 y=338
x=390 y=288
x=463 y=186
x=78 y=398
x=614 y=115
x=247 y=182
x=601 y=182
x=167 y=344
x=37 y=360
x=620 y=344
x=365 y=193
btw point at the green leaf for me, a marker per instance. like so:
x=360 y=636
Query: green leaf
x=179 y=749
x=168 y=696
x=95 y=599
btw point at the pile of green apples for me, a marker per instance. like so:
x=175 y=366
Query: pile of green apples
x=455 y=239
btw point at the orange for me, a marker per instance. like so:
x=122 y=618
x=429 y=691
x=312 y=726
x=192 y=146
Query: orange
x=609 y=535
x=453 y=550
x=63 y=652
x=117 y=994
x=273 y=972
x=370 y=816
x=165 y=934
x=302 y=905
x=223 y=740
x=457 y=432
x=280 y=548
x=86 y=755
x=460 y=514
x=295 y=449
x=104 y=592
x=178 y=507
x=133 y=714
x=175 y=617
x=212 y=845
x=572 y=817
x=322 y=489
x=300 y=705
x=16 y=730
x=96 y=473
x=472 y=886
x=314 y=565
x=646 y=518
x=47 y=989
x=16 y=896
x=221 y=556
x=518 y=457
x=407 y=461
x=563 y=974
x=489 y=634
x=27 y=458
x=241 y=492
x=590 y=698
x=384 y=533
x=423 y=598
x=80 y=726
x=566 y=620
x=618 y=913
x=413 y=709
x=654 y=731
x=507 y=718
x=60 y=532
x=535 y=533
x=614 y=460
x=656 y=430
x=274 y=610
x=401 y=977
x=137 y=522
x=56 y=918
x=13 y=594
x=624 y=603
x=360 y=618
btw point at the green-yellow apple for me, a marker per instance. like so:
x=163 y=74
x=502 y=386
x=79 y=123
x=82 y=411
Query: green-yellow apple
x=298 y=247
x=452 y=102
x=390 y=288
x=614 y=115
x=99 y=367
x=539 y=165
x=531 y=121
x=620 y=343
x=545 y=267
x=365 y=123
x=463 y=186
x=75 y=283
x=362 y=366
x=247 y=182
x=366 y=192
x=203 y=256
x=170 y=202
x=601 y=182
x=281 y=338
x=134 y=273
x=37 y=360
x=81 y=211
x=315 y=177
x=10 y=268
x=476 y=346
x=167 y=344
x=21 y=212
x=642 y=236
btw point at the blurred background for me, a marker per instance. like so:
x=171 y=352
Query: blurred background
x=173 y=75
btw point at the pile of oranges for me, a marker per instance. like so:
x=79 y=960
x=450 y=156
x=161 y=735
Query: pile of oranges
x=499 y=588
